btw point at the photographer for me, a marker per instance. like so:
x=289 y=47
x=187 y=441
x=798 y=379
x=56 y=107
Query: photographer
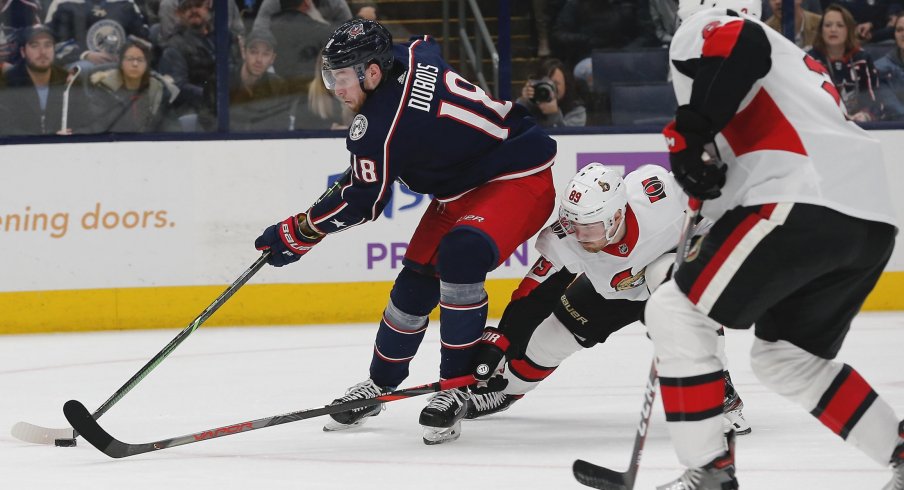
x=551 y=97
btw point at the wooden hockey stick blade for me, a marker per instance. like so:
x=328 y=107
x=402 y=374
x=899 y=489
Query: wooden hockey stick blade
x=87 y=425
x=594 y=476
x=35 y=434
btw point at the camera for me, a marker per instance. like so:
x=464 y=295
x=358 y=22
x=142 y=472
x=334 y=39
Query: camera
x=544 y=90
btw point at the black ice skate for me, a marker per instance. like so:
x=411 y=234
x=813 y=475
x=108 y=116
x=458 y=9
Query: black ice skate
x=718 y=474
x=442 y=416
x=357 y=416
x=732 y=406
x=490 y=403
x=897 y=463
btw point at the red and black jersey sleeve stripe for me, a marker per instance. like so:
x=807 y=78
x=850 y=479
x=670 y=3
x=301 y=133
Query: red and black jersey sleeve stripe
x=693 y=398
x=845 y=402
x=734 y=56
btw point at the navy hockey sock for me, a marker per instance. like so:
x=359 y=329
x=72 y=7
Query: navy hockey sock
x=465 y=257
x=403 y=326
x=462 y=316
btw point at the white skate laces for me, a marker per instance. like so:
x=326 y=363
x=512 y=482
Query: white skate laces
x=444 y=400
x=355 y=416
x=488 y=401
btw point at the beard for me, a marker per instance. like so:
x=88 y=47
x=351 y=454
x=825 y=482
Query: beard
x=38 y=68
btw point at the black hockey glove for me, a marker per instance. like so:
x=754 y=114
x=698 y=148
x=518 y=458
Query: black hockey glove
x=686 y=136
x=286 y=241
x=487 y=360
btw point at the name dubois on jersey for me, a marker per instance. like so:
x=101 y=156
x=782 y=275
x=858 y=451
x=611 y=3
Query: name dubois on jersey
x=423 y=86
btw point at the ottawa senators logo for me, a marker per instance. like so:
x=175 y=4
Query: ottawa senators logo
x=694 y=249
x=624 y=280
x=654 y=189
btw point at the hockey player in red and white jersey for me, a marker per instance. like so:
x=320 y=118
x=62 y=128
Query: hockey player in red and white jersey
x=803 y=229
x=613 y=244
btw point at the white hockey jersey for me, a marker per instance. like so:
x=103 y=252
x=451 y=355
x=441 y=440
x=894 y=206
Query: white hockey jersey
x=789 y=140
x=655 y=215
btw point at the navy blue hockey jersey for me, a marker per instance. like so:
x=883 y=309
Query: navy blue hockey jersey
x=436 y=133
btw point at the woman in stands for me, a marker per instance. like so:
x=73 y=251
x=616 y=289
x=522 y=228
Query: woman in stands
x=851 y=68
x=550 y=95
x=131 y=98
x=891 y=75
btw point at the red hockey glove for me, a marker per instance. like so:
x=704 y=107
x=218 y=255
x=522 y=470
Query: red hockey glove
x=286 y=241
x=487 y=361
x=685 y=137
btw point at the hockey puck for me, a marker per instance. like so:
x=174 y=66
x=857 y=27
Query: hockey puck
x=64 y=442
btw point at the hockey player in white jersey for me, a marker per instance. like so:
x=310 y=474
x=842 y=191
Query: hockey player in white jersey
x=613 y=244
x=803 y=229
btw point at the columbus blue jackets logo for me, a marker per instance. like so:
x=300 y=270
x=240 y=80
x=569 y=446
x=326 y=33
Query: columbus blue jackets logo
x=355 y=31
x=654 y=189
x=358 y=128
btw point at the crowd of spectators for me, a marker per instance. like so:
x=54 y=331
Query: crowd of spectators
x=87 y=66
x=844 y=35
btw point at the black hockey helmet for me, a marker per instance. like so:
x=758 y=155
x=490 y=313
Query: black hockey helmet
x=358 y=41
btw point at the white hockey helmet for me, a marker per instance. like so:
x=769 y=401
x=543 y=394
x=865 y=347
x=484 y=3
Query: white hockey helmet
x=591 y=201
x=687 y=8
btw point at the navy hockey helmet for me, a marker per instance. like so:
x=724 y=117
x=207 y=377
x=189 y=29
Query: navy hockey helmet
x=356 y=44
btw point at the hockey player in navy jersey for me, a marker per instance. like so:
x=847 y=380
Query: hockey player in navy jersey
x=486 y=163
x=804 y=225
x=612 y=246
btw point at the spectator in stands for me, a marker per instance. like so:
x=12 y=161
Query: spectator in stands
x=891 y=75
x=36 y=94
x=93 y=31
x=169 y=21
x=15 y=16
x=551 y=96
x=851 y=68
x=814 y=6
x=320 y=109
x=367 y=11
x=131 y=98
x=331 y=12
x=189 y=58
x=664 y=14
x=258 y=99
x=806 y=23
x=299 y=39
x=584 y=25
x=873 y=18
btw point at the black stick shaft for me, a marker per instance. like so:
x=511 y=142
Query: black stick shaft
x=170 y=347
x=79 y=417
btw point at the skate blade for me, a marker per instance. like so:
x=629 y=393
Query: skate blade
x=333 y=426
x=440 y=435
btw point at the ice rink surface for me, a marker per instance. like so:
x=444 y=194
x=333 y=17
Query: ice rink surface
x=220 y=376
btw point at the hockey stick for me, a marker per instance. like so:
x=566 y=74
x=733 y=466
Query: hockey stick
x=66 y=437
x=88 y=427
x=595 y=476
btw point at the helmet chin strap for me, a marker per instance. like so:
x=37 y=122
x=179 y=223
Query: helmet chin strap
x=618 y=230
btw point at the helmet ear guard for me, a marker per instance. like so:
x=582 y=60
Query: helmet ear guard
x=591 y=202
